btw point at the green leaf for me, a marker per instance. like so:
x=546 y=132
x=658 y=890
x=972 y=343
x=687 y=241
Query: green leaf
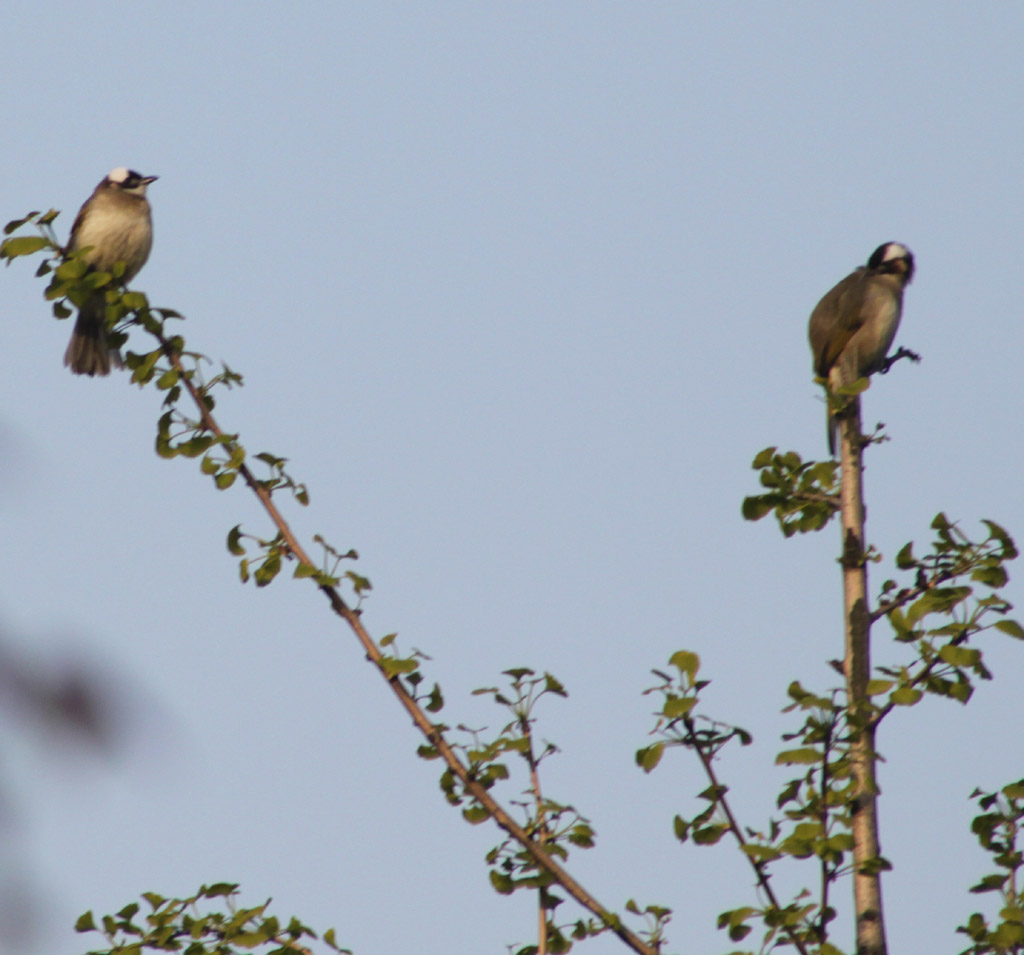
x=393 y=667
x=1007 y=937
x=798 y=757
x=71 y=270
x=16 y=224
x=225 y=479
x=996 y=532
x=678 y=706
x=435 y=701
x=939 y=600
x=991 y=883
x=196 y=446
x=686 y=662
x=905 y=558
x=960 y=656
x=1014 y=790
x=96 y=280
x=305 y=570
x=359 y=584
x=474 y=815
x=85 y=923
x=649 y=756
x=167 y=379
x=268 y=570
x=761 y=853
x=993 y=577
x=854 y=388
x=709 y=835
x=502 y=883
x=905 y=696
x=877 y=687
x=22 y=245
x=961 y=692
x=754 y=508
x=1010 y=627
x=789 y=793
x=234 y=541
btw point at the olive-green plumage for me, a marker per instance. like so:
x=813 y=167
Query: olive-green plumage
x=853 y=326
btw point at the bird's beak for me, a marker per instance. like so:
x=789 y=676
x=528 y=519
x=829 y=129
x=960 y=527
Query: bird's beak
x=146 y=180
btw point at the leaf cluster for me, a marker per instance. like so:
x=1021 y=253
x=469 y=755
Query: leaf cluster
x=803 y=494
x=181 y=925
x=811 y=828
x=939 y=610
x=998 y=829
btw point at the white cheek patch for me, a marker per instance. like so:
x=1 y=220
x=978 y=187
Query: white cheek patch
x=118 y=174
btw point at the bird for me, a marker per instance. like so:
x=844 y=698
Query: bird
x=853 y=326
x=114 y=225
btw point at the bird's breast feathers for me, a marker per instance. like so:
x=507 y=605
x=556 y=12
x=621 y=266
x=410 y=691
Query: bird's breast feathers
x=117 y=234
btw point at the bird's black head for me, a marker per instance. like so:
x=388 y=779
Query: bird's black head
x=128 y=180
x=893 y=258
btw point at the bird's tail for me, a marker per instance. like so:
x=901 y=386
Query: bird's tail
x=88 y=352
x=838 y=408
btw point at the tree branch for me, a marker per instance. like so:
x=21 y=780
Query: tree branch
x=419 y=718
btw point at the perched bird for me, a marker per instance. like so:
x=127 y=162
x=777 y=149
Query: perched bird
x=853 y=326
x=115 y=225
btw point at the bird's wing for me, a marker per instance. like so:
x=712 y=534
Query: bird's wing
x=75 y=226
x=846 y=300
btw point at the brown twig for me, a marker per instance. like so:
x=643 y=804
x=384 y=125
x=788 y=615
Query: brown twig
x=758 y=867
x=419 y=718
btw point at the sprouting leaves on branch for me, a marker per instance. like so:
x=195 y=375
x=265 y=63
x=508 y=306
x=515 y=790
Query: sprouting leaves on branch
x=803 y=494
x=207 y=923
x=998 y=829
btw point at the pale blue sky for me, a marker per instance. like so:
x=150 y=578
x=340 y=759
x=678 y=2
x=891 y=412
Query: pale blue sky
x=520 y=289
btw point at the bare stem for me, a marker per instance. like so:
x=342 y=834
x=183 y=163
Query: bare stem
x=542 y=829
x=867 y=885
x=826 y=880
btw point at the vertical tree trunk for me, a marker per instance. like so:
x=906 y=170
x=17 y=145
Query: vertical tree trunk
x=867 y=887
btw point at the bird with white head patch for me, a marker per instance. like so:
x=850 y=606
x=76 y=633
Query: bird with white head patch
x=114 y=225
x=853 y=326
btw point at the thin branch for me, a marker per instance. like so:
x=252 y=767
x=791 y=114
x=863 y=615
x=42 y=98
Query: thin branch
x=826 y=881
x=758 y=867
x=419 y=717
